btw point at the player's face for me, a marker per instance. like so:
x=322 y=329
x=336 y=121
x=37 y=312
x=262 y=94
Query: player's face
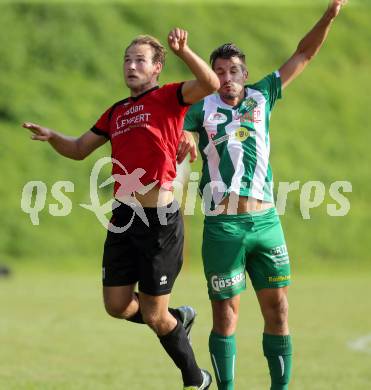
x=139 y=70
x=232 y=76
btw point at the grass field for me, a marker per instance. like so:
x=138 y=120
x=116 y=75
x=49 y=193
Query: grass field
x=54 y=334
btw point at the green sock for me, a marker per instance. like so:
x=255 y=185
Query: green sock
x=223 y=354
x=278 y=351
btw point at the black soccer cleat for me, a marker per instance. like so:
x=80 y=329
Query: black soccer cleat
x=187 y=317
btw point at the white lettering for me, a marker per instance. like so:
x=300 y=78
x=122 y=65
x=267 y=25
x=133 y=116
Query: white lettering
x=26 y=201
x=140 y=118
x=62 y=198
x=306 y=203
x=283 y=190
x=341 y=199
x=134 y=109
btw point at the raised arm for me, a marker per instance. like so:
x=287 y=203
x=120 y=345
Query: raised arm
x=76 y=148
x=206 y=80
x=310 y=44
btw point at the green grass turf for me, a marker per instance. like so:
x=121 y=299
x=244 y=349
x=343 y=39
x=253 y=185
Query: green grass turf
x=54 y=334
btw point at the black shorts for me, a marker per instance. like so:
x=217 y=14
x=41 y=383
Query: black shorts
x=150 y=255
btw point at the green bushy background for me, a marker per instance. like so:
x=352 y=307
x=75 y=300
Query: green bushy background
x=61 y=66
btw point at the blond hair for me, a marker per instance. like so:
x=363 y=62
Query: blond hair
x=159 y=52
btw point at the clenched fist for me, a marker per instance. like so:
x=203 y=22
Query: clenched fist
x=335 y=6
x=177 y=40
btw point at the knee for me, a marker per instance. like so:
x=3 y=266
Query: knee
x=277 y=311
x=151 y=319
x=154 y=320
x=225 y=320
x=117 y=310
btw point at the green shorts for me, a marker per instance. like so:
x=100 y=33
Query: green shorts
x=252 y=242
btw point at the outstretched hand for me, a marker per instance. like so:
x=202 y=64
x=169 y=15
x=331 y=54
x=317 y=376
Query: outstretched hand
x=39 y=133
x=335 y=7
x=177 y=40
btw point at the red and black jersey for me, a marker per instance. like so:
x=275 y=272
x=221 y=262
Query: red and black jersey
x=144 y=132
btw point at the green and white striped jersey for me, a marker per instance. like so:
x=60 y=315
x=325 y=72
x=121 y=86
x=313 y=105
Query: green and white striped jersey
x=234 y=141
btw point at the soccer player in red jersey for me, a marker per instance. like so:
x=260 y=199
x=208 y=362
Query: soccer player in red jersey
x=145 y=131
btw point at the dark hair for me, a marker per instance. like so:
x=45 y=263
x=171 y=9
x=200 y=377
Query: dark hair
x=159 y=50
x=227 y=51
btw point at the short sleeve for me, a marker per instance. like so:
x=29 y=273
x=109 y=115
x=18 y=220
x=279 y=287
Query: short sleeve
x=271 y=87
x=172 y=98
x=101 y=127
x=173 y=92
x=193 y=120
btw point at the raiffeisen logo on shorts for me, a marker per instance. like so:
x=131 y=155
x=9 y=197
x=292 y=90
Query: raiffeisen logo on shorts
x=222 y=283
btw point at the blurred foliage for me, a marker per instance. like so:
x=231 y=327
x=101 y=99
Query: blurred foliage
x=61 y=66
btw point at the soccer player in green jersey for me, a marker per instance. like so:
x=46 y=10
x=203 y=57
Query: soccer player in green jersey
x=242 y=231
